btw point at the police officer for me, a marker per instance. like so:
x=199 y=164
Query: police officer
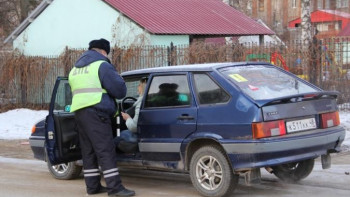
x=95 y=85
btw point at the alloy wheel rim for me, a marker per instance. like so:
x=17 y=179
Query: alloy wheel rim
x=209 y=172
x=60 y=168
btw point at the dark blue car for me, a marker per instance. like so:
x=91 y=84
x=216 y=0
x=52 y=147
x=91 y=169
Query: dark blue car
x=213 y=121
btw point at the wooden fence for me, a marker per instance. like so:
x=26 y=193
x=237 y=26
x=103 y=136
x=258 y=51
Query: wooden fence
x=28 y=81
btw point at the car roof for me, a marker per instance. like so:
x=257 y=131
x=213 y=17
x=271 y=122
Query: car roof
x=188 y=68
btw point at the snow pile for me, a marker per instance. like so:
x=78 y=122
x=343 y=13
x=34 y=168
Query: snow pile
x=18 y=123
x=345 y=121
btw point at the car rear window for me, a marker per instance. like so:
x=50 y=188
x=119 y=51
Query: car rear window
x=265 y=82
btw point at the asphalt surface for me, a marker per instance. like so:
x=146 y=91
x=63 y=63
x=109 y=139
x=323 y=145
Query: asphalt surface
x=22 y=176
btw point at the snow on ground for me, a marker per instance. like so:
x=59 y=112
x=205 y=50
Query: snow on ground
x=345 y=121
x=17 y=124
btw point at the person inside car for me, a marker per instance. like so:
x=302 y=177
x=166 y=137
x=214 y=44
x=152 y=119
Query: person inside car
x=127 y=141
x=166 y=96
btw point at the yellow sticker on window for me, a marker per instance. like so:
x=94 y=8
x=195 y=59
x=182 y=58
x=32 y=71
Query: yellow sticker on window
x=238 y=77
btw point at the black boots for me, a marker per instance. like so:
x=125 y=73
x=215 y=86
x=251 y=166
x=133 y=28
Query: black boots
x=124 y=192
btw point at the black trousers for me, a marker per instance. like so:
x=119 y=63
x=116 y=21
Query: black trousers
x=98 y=149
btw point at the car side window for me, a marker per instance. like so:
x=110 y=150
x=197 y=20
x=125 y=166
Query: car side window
x=167 y=91
x=63 y=97
x=208 y=91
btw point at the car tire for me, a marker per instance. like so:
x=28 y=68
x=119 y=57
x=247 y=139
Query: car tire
x=211 y=173
x=64 y=171
x=294 y=172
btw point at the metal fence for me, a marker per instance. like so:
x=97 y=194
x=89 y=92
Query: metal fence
x=28 y=81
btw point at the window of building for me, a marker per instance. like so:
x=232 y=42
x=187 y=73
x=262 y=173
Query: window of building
x=261 y=5
x=312 y=6
x=342 y=3
x=331 y=26
x=319 y=4
x=337 y=26
x=328 y=4
x=210 y=93
x=167 y=91
x=294 y=3
x=338 y=4
x=322 y=27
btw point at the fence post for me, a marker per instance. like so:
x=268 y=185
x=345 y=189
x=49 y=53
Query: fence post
x=170 y=51
x=23 y=81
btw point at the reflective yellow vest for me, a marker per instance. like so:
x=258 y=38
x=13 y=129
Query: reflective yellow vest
x=86 y=86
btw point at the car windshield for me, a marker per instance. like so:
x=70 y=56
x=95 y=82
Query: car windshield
x=264 y=82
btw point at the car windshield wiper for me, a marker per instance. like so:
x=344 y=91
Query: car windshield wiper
x=300 y=97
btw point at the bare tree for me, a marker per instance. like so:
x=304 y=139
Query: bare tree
x=311 y=46
x=8 y=15
x=24 y=9
x=13 y=12
x=244 y=6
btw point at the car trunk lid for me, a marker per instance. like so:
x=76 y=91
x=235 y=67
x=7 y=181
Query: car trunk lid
x=299 y=106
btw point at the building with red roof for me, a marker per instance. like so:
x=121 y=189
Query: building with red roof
x=56 y=24
x=327 y=22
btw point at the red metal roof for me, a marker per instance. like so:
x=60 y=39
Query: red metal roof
x=201 y=17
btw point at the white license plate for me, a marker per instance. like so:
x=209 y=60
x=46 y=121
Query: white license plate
x=301 y=125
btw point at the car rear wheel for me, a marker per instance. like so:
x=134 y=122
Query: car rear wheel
x=293 y=172
x=64 y=171
x=211 y=173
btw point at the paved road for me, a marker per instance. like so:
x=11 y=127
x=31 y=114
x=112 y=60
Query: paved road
x=23 y=177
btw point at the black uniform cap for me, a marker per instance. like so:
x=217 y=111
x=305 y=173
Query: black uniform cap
x=100 y=44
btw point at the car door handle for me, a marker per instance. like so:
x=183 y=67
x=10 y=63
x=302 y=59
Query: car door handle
x=185 y=117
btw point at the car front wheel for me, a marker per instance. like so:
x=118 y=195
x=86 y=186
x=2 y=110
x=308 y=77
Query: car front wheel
x=293 y=172
x=211 y=173
x=64 y=171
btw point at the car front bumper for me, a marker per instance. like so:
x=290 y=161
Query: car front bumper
x=37 y=144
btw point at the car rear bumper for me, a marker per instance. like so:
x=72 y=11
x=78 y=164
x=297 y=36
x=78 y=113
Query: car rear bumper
x=249 y=154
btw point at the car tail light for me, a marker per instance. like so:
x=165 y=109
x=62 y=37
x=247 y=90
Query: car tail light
x=33 y=129
x=330 y=120
x=268 y=129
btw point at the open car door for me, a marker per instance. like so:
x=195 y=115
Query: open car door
x=61 y=134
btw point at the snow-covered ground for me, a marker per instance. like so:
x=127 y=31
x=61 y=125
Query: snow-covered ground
x=17 y=124
x=345 y=121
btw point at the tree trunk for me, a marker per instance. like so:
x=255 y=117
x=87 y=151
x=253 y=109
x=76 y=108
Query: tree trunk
x=244 y=6
x=25 y=8
x=305 y=23
x=308 y=59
